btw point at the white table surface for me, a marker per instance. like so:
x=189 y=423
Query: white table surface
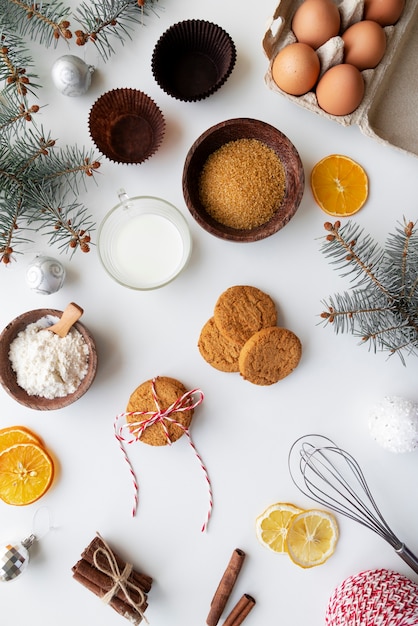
x=242 y=431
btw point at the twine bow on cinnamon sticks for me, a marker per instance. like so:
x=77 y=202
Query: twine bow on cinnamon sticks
x=108 y=576
x=134 y=431
x=223 y=592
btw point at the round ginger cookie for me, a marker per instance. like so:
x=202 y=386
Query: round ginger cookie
x=270 y=355
x=168 y=390
x=217 y=350
x=242 y=310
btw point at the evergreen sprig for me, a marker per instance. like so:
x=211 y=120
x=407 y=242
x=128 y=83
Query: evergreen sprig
x=45 y=22
x=100 y=22
x=108 y=21
x=40 y=182
x=35 y=180
x=382 y=306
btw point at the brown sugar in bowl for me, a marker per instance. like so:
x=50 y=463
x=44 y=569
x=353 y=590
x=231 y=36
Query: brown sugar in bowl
x=216 y=138
x=8 y=376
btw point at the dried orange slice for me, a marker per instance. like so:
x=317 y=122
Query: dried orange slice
x=26 y=473
x=271 y=526
x=339 y=185
x=311 y=537
x=17 y=434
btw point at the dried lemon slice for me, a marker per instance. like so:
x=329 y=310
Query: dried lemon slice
x=26 y=473
x=271 y=526
x=17 y=434
x=339 y=185
x=311 y=537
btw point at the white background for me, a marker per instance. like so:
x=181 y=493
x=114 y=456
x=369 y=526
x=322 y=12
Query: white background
x=243 y=432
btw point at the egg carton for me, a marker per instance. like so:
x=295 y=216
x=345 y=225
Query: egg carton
x=388 y=112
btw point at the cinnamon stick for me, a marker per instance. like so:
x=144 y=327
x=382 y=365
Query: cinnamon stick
x=240 y=611
x=141 y=580
x=225 y=587
x=121 y=607
x=104 y=582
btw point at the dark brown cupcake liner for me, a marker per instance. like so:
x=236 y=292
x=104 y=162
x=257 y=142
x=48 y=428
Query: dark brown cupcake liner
x=193 y=59
x=126 y=125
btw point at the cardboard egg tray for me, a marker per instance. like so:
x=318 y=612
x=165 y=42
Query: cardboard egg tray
x=388 y=112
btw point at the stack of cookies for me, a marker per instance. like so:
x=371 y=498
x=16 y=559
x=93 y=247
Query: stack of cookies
x=243 y=336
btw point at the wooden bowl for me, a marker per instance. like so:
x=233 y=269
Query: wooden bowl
x=8 y=376
x=231 y=130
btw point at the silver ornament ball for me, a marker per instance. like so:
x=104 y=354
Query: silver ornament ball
x=71 y=75
x=45 y=275
x=14 y=558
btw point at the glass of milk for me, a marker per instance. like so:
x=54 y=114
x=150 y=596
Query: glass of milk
x=144 y=242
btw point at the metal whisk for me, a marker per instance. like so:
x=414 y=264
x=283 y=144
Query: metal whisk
x=333 y=478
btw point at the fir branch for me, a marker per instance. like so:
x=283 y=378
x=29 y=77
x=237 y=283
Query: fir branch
x=70 y=164
x=350 y=249
x=106 y=21
x=348 y=311
x=14 y=114
x=65 y=222
x=45 y=22
x=10 y=232
x=402 y=253
x=16 y=66
x=384 y=313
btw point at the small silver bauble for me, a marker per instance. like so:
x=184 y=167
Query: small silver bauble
x=14 y=558
x=45 y=275
x=71 y=75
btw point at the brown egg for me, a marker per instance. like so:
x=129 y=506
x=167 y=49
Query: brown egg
x=384 y=12
x=296 y=68
x=316 y=21
x=340 y=90
x=364 y=44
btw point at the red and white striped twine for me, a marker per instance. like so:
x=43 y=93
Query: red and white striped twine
x=374 y=598
x=134 y=431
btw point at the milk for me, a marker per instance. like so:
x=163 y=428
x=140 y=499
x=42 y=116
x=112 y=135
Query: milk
x=147 y=250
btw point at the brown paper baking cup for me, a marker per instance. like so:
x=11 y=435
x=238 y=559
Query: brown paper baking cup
x=193 y=59
x=126 y=125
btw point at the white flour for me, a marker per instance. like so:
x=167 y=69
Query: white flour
x=47 y=365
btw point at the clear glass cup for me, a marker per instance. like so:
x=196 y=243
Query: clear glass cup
x=144 y=242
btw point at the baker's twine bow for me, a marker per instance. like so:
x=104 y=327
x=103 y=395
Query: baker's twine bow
x=119 y=578
x=134 y=431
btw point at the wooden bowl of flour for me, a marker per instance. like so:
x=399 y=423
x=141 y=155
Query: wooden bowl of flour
x=8 y=378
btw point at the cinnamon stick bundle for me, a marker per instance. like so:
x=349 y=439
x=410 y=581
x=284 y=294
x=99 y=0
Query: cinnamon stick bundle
x=93 y=551
x=108 y=576
x=240 y=611
x=225 y=587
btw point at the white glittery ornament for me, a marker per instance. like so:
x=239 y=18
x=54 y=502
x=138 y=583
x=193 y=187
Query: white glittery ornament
x=71 y=75
x=14 y=558
x=45 y=275
x=393 y=423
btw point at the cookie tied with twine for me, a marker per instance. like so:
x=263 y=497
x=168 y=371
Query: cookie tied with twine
x=159 y=412
x=102 y=571
x=143 y=401
x=374 y=597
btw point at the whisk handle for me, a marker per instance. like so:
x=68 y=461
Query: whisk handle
x=408 y=556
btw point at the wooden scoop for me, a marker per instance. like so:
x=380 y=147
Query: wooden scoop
x=69 y=317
